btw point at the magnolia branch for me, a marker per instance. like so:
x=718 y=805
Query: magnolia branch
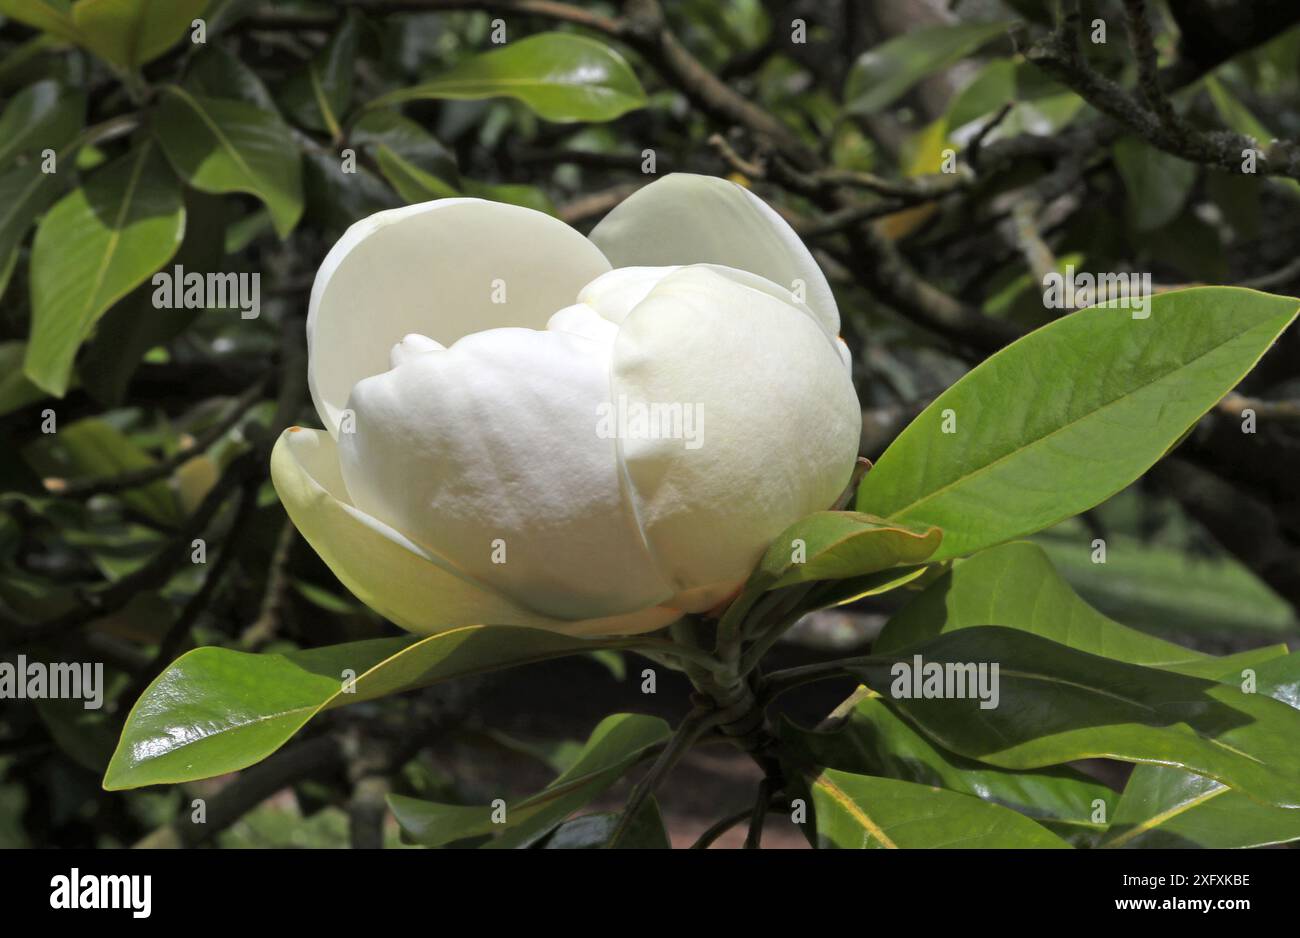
x=1153 y=118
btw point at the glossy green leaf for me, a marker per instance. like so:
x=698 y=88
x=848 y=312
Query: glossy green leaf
x=92 y=248
x=870 y=739
x=1158 y=184
x=1015 y=585
x=1070 y=414
x=862 y=811
x=129 y=33
x=318 y=97
x=561 y=77
x=126 y=33
x=215 y=710
x=1167 y=807
x=1057 y=705
x=883 y=74
x=222 y=145
x=616 y=744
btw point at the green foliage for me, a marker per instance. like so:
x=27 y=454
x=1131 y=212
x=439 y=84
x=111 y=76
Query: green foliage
x=221 y=146
x=618 y=743
x=560 y=77
x=866 y=812
x=1058 y=705
x=1012 y=463
x=883 y=74
x=128 y=146
x=91 y=249
x=215 y=710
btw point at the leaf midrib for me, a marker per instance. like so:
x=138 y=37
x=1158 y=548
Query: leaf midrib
x=961 y=480
x=854 y=810
x=226 y=144
x=115 y=237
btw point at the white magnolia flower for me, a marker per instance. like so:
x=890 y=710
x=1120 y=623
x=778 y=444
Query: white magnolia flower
x=466 y=358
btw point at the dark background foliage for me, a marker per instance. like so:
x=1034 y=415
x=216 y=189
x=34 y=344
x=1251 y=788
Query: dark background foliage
x=1114 y=156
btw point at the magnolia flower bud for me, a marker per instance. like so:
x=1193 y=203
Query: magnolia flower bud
x=595 y=436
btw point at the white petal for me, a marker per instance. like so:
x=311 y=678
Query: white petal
x=689 y=219
x=435 y=269
x=388 y=572
x=410 y=347
x=776 y=415
x=613 y=295
x=491 y=451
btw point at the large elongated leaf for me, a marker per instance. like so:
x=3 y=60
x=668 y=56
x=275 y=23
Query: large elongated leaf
x=873 y=740
x=127 y=33
x=1015 y=585
x=615 y=745
x=559 y=76
x=1167 y=807
x=222 y=145
x=861 y=811
x=215 y=710
x=1056 y=705
x=1070 y=414
x=91 y=249
x=882 y=75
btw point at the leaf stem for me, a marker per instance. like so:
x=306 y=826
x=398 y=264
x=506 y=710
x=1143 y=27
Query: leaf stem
x=694 y=725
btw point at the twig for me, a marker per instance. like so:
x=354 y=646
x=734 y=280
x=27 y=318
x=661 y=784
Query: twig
x=754 y=838
x=199 y=603
x=277 y=588
x=695 y=724
x=154 y=573
x=102 y=485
